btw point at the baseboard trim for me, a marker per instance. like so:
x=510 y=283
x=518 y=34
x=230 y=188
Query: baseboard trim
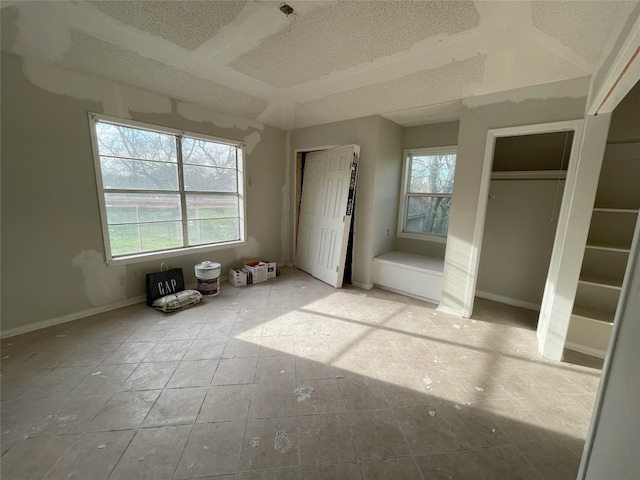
x=449 y=311
x=407 y=294
x=507 y=300
x=594 y=352
x=365 y=286
x=12 y=332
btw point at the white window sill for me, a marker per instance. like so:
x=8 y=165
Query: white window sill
x=423 y=236
x=178 y=252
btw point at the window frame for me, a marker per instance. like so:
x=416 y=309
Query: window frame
x=405 y=193
x=178 y=135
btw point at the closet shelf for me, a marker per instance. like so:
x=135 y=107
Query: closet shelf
x=529 y=175
x=616 y=210
x=601 y=282
x=609 y=248
x=592 y=314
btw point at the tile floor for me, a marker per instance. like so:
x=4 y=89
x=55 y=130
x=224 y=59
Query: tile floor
x=292 y=379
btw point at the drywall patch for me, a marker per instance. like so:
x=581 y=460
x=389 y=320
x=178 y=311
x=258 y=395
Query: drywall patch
x=98 y=57
x=35 y=36
x=102 y=285
x=311 y=47
x=251 y=141
x=197 y=113
x=142 y=101
x=66 y=82
x=426 y=87
x=250 y=250
x=574 y=88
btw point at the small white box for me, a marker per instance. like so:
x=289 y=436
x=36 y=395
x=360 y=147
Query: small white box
x=237 y=278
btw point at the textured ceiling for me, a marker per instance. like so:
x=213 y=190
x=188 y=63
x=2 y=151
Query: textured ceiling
x=411 y=61
x=343 y=34
x=187 y=24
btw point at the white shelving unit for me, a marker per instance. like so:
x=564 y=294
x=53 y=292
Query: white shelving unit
x=607 y=251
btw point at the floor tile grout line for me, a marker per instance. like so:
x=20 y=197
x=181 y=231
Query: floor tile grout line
x=298 y=413
x=124 y=450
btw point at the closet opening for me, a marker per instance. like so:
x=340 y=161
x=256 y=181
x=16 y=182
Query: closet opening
x=525 y=194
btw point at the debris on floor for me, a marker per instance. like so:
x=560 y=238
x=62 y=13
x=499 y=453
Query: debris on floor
x=281 y=442
x=304 y=392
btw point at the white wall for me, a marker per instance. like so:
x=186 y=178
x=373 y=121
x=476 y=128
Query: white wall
x=52 y=248
x=388 y=178
x=520 y=226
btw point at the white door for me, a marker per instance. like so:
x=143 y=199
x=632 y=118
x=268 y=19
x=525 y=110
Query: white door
x=326 y=207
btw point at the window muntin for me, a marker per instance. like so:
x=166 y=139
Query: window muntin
x=163 y=190
x=426 y=198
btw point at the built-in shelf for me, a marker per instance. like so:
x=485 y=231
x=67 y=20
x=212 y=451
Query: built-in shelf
x=612 y=226
x=602 y=282
x=609 y=248
x=607 y=251
x=594 y=314
x=616 y=210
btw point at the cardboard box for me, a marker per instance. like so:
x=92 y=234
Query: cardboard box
x=272 y=269
x=251 y=262
x=237 y=278
x=256 y=273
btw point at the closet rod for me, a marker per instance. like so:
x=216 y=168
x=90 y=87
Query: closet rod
x=530 y=175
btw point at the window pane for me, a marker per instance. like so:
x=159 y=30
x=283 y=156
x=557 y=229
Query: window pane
x=428 y=215
x=152 y=201
x=126 y=174
x=209 y=179
x=136 y=238
x=137 y=207
x=211 y=206
x=213 y=231
x=432 y=173
x=119 y=141
x=211 y=154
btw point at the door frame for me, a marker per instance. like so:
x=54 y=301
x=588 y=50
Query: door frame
x=576 y=126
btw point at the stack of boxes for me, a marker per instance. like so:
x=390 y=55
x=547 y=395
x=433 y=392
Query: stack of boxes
x=253 y=271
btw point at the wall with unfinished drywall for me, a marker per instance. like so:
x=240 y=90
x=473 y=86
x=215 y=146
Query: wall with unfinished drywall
x=53 y=264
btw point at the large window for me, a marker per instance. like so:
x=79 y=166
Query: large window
x=165 y=191
x=426 y=196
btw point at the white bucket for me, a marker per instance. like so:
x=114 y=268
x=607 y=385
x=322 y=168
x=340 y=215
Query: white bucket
x=208 y=277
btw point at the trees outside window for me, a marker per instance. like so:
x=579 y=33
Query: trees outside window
x=163 y=190
x=427 y=189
